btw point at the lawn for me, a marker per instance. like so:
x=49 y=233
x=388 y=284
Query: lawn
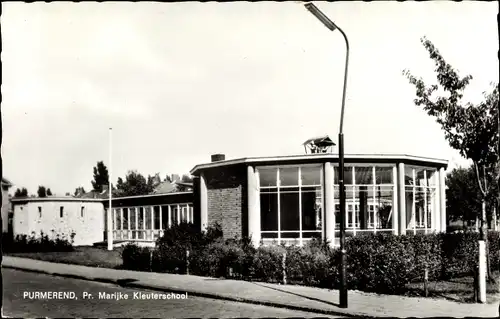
x=457 y=289
x=82 y=255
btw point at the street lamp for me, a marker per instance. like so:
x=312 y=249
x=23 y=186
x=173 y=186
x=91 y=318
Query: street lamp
x=343 y=276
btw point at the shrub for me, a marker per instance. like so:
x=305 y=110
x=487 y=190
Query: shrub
x=225 y=259
x=268 y=263
x=379 y=263
x=136 y=258
x=170 y=253
x=314 y=264
x=41 y=243
x=427 y=249
x=459 y=254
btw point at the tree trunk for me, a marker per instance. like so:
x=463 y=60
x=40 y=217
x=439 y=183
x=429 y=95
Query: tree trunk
x=495 y=222
x=484 y=235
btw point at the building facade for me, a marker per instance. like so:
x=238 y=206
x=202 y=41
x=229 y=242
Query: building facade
x=59 y=216
x=293 y=199
x=142 y=219
x=6 y=204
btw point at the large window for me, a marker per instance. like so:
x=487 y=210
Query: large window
x=369 y=197
x=291 y=202
x=421 y=200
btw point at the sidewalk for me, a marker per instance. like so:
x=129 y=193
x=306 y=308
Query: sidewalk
x=317 y=300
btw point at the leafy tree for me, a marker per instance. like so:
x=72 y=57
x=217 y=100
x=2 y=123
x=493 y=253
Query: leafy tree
x=154 y=180
x=79 y=190
x=134 y=184
x=42 y=191
x=187 y=178
x=463 y=196
x=101 y=177
x=21 y=192
x=49 y=192
x=470 y=129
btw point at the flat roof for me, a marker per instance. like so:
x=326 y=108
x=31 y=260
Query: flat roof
x=147 y=196
x=320 y=156
x=77 y=199
x=54 y=199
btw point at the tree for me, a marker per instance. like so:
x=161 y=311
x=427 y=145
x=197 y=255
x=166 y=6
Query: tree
x=79 y=191
x=463 y=196
x=154 y=180
x=470 y=129
x=21 y=193
x=49 y=192
x=101 y=177
x=187 y=178
x=42 y=191
x=135 y=184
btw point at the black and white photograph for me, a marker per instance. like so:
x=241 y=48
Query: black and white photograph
x=250 y=159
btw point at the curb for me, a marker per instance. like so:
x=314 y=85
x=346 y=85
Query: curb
x=197 y=294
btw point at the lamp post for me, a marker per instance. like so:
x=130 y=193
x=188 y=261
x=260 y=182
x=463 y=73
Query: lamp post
x=343 y=273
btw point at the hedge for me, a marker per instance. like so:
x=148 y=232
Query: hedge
x=37 y=243
x=382 y=263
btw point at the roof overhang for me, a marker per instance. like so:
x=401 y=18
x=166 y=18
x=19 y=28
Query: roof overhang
x=321 y=157
x=53 y=199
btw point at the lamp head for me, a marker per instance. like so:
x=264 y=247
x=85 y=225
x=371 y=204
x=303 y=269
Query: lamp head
x=320 y=16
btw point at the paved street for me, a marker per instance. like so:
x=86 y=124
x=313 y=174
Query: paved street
x=18 y=283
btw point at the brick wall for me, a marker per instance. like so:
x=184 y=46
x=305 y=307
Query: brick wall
x=226 y=195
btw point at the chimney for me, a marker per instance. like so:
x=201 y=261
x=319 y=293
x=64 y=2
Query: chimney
x=175 y=178
x=218 y=157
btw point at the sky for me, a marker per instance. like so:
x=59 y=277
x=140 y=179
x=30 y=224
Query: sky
x=178 y=82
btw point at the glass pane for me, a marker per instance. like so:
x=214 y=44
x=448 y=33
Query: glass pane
x=290 y=235
x=148 y=217
x=384 y=206
x=310 y=234
x=267 y=176
x=269 y=235
x=141 y=219
x=409 y=175
x=164 y=217
x=362 y=199
x=420 y=208
x=125 y=219
x=311 y=175
x=269 y=212
x=384 y=175
x=289 y=211
x=132 y=218
x=311 y=209
x=364 y=175
x=419 y=176
x=156 y=217
x=431 y=177
x=175 y=215
x=410 y=206
x=431 y=203
x=289 y=176
x=118 y=218
x=347 y=175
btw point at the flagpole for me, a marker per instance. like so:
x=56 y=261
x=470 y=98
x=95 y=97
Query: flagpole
x=110 y=207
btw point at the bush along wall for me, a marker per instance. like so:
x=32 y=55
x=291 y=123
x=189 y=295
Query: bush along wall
x=382 y=263
x=37 y=243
